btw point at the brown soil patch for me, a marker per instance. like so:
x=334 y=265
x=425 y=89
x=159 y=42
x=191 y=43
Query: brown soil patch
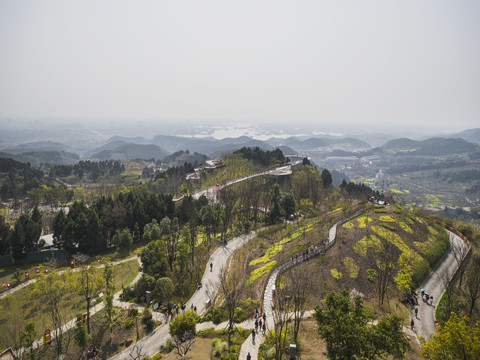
x=312 y=347
x=199 y=351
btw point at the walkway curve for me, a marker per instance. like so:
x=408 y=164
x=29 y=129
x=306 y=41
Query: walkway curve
x=435 y=285
x=150 y=344
x=93 y=310
x=35 y=279
x=249 y=346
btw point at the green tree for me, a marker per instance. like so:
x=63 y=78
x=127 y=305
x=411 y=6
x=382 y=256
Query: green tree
x=112 y=320
x=81 y=335
x=58 y=228
x=288 y=205
x=164 y=289
x=123 y=240
x=94 y=236
x=17 y=238
x=456 y=340
x=276 y=210
x=182 y=256
x=151 y=232
x=153 y=258
x=342 y=322
x=28 y=337
x=182 y=330
x=4 y=231
x=326 y=178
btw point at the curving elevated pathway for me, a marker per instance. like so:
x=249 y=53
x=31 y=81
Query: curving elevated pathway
x=249 y=346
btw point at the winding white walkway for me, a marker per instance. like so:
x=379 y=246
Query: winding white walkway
x=249 y=346
x=150 y=344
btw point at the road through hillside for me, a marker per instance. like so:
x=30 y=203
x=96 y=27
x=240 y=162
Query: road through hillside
x=435 y=286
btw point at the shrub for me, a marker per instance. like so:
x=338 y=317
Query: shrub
x=129 y=323
x=406 y=228
x=420 y=273
x=132 y=312
x=371 y=274
x=260 y=272
x=336 y=274
x=210 y=332
x=218 y=315
x=150 y=325
x=380 y=211
x=147 y=315
x=379 y=206
x=387 y=218
x=351 y=267
x=435 y=252
x=168 y=347
x=388 y=226
x=219 y=346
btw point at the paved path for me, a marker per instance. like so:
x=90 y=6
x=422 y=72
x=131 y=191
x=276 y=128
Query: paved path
x=249 y=346
x=210 y=192
x=435 y=285
x=150 y=344
x=33 y=280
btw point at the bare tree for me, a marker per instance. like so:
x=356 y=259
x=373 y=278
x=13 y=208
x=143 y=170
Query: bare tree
x=459 y=251
x=385 y=267
x=449 y=291
x=282 y=313
x=50 y=292
x=212 y=293
x=472 y=283
x=229 y=289
x=136 y=352
x=183 y=344
x=228 y=196
x=298 y=288
x=88 y=281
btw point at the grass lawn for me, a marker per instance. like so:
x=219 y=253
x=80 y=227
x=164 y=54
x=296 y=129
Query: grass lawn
x=27 y=304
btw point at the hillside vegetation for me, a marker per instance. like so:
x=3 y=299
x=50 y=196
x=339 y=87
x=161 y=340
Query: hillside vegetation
x=391 y=243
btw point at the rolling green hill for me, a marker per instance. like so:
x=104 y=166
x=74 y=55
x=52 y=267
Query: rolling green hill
x=131 y=152
x=432 y=147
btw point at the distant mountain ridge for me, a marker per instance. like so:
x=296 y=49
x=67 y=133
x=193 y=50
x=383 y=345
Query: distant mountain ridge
x=36 y=146
x=433 y=146
x=471 y=135
x=46 y=156
x=131 y=151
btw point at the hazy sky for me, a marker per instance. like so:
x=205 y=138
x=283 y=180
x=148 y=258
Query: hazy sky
x=402 y=63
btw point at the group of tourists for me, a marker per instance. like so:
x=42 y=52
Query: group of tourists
x=175 y=310
x=302 y=255
x=260 y=324
x=426 y=297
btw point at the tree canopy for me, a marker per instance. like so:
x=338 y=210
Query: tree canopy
x=343 y=322
x=458 y=339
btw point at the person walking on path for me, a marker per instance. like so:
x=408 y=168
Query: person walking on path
x=211 y=267
x=412 y=324
x=253 y=336
x=416 y=312
x=249 y=357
